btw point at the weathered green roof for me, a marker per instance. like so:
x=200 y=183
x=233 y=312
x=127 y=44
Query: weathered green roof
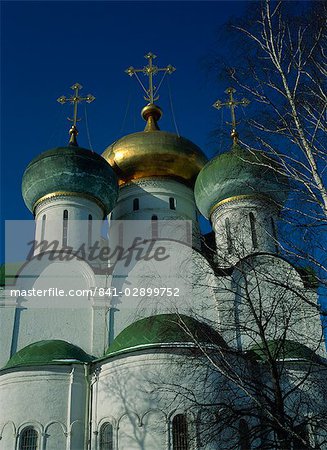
x=9 y=271
x=48 y=352
x=282 y=350
x=238 y=172
x=164 y=329
x=70 y=169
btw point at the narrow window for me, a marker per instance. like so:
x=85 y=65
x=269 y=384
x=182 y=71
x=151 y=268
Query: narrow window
x=89 y=231
x=244 y=435
x=43 y=227
x=229 y=236
x=64 y=228
x=121 y=234
x=253 y=230
x=172 y=203
x=136 y=204
x=154 y=220
x=28 y=439
x=179 y=433
x=106 y=437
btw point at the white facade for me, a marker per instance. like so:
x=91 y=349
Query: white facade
x=70 y=220
x=163 y=199
x=51 y=399
x=244 y=226
x=137 y=391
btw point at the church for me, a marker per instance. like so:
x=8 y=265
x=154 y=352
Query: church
x=127 y=328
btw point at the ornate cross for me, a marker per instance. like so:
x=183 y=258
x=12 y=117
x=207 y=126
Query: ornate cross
x=150 y=70
x=75 y=99
x=231 y=103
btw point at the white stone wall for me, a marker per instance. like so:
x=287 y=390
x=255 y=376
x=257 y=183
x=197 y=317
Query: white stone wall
x=76 y=319
x=189 y=272
x=270 y=294
x=137 y=392
x=7 y=321
x=50 y=223
x=139 y=395
x=93 y=322
x=236 y=237
x=52 y=399
x=308 y=401
x=154 y=196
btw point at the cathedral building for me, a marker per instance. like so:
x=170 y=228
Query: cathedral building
x=184 y=341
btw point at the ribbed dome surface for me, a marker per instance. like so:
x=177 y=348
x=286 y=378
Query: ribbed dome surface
x=238 y=172
x=70 y=169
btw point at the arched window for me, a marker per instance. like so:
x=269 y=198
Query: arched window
x=179 y=432
x=136 y=204
x=253 y=230
x=106 y=437
x=43 y=227
x=64 y=227
x=154 y=220
x=244 y=435
x=89 y=231
x=28 y=439
x=229 y=236
x=172 y=203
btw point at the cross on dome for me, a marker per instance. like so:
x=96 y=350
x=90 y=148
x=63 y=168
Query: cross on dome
x=75 y=99
x=231 y=103
x=150 y=70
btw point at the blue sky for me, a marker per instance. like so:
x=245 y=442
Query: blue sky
x=48 y=46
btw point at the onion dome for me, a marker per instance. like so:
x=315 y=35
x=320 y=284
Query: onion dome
x=238 y=173
x=164 y=329
x=70 y=170
x=48 y=352
x=285 y=350
x=154 y=153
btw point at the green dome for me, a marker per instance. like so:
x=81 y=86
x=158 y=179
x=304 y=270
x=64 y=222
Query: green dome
x=70 y=169
x=238 y=172
x=48 y=352
x=9 y=272
x=164 y=329
x=283 y=350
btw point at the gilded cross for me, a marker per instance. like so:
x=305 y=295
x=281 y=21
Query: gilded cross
x=150 y=70
x=75 y=99
x=231 y=103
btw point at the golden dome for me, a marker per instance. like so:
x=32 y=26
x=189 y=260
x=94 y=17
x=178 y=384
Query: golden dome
x=154 y=153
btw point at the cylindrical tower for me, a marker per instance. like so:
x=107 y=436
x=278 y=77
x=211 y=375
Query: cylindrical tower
x=156 y=171
x=69 y=190
x=241 y=192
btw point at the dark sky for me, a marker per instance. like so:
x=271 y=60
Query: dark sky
x=47 y=46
